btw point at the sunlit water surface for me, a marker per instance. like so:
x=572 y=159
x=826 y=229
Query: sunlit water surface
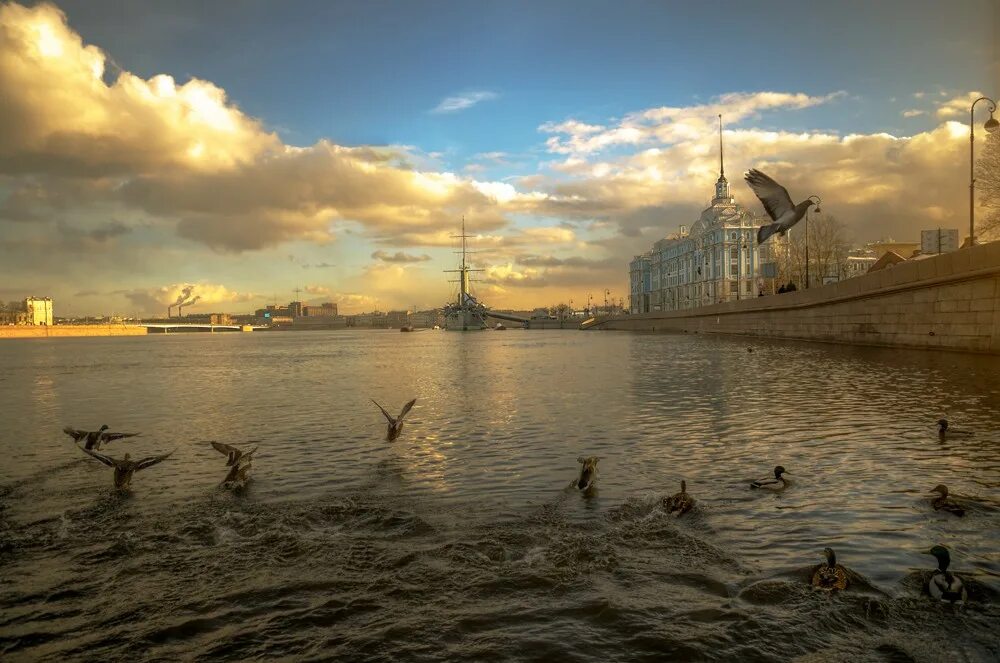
x=462 y=540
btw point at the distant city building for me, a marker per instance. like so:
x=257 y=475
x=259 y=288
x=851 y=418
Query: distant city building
x=327 y=309
x=38 y=310
x=220 y=319
x=397 y=318
x=883 y=246
x=939 y=240
x=640 y=285
x=858 y=262
x=718 y=260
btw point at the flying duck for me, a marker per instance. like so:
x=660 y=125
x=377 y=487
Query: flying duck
x=588 y=473
x=239 y=473
x=680 y=502
x=233 y=455
x=942 y=503
x=945 y=430
x=944 y=585
x=126 y=467
x=777 y=483
x=94 y=439
x=395 y=426
x=829 y=576
x=777 y=203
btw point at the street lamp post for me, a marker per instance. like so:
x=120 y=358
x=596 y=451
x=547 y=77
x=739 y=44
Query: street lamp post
x=991 y=126
x=818 y=201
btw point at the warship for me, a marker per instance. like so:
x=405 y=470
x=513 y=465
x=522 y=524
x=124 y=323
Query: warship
x=466 y=313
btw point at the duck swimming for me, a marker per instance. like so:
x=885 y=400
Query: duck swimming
x=777 y=483
x=94 y=439
x=830 y=576
x=395 y=426
x=234 y=455
x=944 y=585
x=588 y=473
x=126 y=467
x=945 y=430
x=680 y=502
x=942 y=503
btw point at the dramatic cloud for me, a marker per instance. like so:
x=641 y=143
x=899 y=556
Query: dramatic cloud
x=879 y=184
x=958 y=107
x=183 y=153
x=462 y=101
x=101 y=162
x=399 y=257
x=669 y=124
x=201 y=295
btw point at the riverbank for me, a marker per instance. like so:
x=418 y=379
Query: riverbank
x=68 y=331
x=950 y=301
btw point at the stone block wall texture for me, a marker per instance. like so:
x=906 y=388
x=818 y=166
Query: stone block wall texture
x=951 y=301
x=65 y=331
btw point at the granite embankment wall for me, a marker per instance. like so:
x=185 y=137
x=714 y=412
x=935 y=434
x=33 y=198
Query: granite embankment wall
x=65 y=331
x=951 y=301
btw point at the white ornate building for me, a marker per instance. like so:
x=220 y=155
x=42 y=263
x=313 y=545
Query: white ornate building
x=717 y=260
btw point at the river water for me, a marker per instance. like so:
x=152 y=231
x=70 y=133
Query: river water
x=462 y=540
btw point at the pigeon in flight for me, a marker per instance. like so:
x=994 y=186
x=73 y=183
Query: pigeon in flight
x=94 y=439
x=777 y=203
x=395 y=426
x=125 y=467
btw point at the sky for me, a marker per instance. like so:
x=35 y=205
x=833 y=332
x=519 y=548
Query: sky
x=249 y=149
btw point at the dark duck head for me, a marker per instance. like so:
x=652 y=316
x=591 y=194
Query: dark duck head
x=831 y=557
x=940 y=489
x=942 y=555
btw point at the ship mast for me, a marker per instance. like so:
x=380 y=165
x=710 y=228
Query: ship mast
x=463 y=270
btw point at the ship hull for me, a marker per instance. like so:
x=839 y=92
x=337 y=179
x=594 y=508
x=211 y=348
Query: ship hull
x=465 y=321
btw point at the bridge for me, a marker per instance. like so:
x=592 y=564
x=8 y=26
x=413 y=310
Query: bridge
x=165 y=326
x=505 y=316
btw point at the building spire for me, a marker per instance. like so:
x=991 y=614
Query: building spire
x=722 y=163
x=722 y=193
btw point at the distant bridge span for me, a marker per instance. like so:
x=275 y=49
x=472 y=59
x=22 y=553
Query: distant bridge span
x=505 y=316
x=195 y=325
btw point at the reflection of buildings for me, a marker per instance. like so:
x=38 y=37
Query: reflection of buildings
x=718 y=260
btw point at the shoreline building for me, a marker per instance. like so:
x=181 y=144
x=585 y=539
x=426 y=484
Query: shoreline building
x=39 y=310
x=717 y=260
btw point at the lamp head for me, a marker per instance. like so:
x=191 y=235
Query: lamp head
x=991 y=124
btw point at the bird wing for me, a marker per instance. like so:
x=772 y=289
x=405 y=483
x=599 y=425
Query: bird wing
x=406 y=408
x=387 y=415
x=150 y=461
x=224 y=449
x=764 y=482
x=774 y=196
x=74 y=433
x=248 y=456
x=107 y=460
x=108 y=437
